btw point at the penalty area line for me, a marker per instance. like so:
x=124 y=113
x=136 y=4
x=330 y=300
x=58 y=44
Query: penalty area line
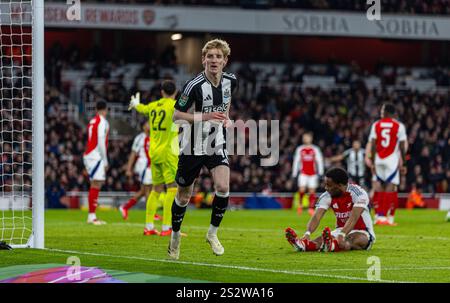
x=244 y=268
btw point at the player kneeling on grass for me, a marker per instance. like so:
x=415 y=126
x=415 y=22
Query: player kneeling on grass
x=350 y=204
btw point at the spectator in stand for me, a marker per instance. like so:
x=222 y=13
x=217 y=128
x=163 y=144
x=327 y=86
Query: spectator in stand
x=54 y=193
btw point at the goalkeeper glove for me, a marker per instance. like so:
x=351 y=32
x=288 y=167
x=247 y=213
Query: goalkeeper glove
x=135 y=100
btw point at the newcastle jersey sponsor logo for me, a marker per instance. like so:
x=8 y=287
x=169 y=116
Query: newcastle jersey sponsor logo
x=215 y=108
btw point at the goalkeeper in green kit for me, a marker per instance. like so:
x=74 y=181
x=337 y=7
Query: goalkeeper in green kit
x=164 y=152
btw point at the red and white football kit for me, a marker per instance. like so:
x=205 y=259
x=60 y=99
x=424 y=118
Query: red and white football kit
x=354 y=196
x=95 y=157
x=387 y=133
x=308 y=161
x=141 y=146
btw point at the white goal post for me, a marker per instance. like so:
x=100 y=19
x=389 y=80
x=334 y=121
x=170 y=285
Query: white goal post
x=22 y=153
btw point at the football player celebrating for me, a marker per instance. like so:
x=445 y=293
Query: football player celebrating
x=164 y=152
x=350 y=204
x=203 y=111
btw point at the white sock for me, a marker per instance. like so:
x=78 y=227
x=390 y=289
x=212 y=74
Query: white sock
x=212 y=229
x=176 y=234
x=165 y=227
x=92 y=216
x=149 y=226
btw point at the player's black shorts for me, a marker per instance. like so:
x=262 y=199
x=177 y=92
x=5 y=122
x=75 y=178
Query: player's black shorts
x=189 y=166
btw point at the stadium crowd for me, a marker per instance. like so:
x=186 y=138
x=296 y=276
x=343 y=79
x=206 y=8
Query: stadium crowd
x=65 y=144
x=15 y=124
x=336 y=118
x=387 y=6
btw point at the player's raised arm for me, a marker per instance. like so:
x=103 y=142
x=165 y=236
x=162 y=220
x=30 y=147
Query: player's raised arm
x=135 y=102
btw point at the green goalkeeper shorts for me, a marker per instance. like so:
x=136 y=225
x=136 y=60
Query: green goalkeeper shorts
x=164 y=173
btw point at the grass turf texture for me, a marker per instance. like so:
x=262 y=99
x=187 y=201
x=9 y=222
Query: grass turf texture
x=417 y=250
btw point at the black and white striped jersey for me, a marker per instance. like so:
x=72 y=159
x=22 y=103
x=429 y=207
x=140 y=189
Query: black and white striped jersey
x=356 y=166
x=201 y=96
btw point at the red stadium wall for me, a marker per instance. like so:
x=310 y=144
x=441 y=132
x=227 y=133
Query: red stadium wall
x=82 y=38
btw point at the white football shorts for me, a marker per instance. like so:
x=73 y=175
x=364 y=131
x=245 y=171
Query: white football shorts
x=308 y=181
x=145 y=176
x=369 y=236
x=387 y=170
x=95 y=168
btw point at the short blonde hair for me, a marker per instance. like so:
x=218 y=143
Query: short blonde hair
x=219 y=44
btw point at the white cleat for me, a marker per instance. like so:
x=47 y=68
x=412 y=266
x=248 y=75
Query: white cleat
x=174 y=246
x=448 y=217
x=217 y=248
x=96 y=222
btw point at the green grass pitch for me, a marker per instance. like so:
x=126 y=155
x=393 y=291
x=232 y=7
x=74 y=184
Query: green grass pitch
x=417 y=250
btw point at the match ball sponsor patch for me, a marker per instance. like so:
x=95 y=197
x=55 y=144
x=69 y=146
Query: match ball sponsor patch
x=183 y=100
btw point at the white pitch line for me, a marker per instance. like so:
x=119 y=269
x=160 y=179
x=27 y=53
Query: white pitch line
x=281 y=231
x=419 y=237
x=382 y=269
x=245 y=268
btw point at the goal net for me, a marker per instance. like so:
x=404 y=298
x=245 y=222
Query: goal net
x=21 y=138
